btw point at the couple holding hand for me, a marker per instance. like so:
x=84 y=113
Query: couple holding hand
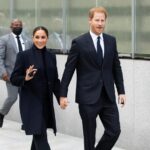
x=35 y=72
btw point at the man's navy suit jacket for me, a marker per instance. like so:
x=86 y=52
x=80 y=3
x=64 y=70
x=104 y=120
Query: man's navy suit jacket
x=91 y=76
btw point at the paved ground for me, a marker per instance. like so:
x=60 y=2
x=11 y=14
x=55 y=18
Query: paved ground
x=12 y=138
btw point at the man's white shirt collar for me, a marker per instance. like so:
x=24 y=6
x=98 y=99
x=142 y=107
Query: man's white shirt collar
x=21 y=40
x=94 y=38
x=16 y=35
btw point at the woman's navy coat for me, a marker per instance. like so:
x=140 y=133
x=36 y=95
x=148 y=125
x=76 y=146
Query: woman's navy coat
x=31 y=107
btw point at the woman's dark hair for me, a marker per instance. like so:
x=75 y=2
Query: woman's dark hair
x=40 y=28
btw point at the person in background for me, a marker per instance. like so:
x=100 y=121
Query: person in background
x=35 y=72
x=94 y=56
x=57 y=39
x=8 y=50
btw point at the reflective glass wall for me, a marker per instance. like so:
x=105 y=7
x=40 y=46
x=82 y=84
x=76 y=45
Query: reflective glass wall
x=119 y=23
x=66 y=19
x=142 y=28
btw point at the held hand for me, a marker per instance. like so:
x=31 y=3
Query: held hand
x=122 y=100
x=63 y=102
x=5 y=77
x=30 y=72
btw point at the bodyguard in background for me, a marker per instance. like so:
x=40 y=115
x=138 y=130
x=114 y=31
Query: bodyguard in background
x=10 y=45
x=94 y=56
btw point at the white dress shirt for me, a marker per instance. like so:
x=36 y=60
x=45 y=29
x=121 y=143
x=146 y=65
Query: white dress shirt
x=94 y=38
x=21 y=40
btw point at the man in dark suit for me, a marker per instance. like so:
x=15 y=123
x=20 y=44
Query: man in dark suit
x=94 y=56
x=8 y=50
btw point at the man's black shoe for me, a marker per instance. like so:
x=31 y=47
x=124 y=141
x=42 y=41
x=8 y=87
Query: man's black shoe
x=1 y=120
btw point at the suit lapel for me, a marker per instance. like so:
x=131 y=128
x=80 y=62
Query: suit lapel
x=106 y=48
x=13 y=42
x=25 y=42
x=92 y=50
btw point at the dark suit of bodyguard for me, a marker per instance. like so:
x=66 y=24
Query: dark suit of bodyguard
x=95 y=82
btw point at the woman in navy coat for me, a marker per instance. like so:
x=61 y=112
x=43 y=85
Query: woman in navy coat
x=35 y=72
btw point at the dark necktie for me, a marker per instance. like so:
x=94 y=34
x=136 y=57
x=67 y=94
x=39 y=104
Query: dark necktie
x=19 y=43
x=99 y=51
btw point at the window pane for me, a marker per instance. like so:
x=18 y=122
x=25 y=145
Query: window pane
x=78 y=16
x=51 y=16
x=67 y=19
x=119 y=22
x=46 y=13
x=142 y=27
x=4 y=17
x=26 y=11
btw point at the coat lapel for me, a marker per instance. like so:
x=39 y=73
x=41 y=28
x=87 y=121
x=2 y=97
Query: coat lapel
x=49 y=65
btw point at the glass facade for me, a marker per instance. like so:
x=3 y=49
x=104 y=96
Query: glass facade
x=127 y=20
x=142 y=28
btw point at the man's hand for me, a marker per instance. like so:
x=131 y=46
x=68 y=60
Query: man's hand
x=5 y=77
x=63 y=102
x=122 y=100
